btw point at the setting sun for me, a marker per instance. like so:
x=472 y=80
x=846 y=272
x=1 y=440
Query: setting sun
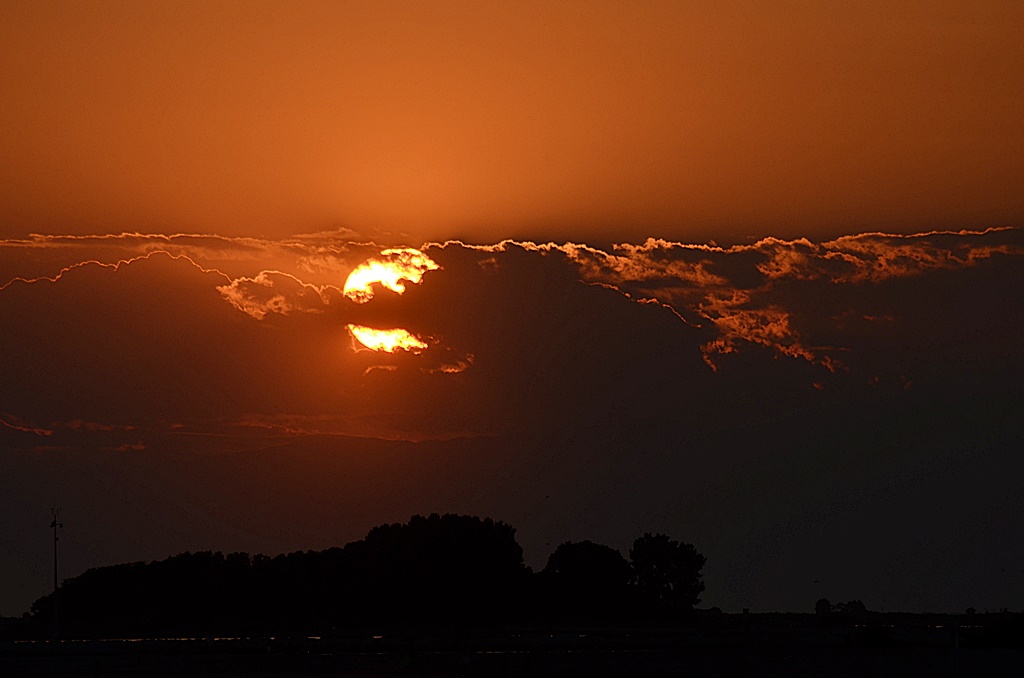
x=388 y=341
x=396 y=265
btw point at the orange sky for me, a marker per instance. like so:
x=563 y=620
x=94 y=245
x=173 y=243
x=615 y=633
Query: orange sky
x=417 y=121
x=193 y=380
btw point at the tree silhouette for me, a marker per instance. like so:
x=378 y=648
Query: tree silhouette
x=853 y=610
x=449 y=566
x=667 y=572
x=440 y=569
x=584 y=578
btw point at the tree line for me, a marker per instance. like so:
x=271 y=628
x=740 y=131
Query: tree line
x=448 y=569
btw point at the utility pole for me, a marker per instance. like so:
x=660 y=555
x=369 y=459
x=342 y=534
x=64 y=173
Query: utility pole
x=55 y=525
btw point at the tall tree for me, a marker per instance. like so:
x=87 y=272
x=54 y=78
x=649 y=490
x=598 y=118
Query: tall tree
x=587 y=579
x=667 y=572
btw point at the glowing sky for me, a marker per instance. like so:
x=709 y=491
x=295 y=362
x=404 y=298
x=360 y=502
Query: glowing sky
x=541 y=120
x=745 y=273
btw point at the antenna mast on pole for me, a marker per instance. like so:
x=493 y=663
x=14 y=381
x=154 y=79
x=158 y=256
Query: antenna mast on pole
x=55 y=525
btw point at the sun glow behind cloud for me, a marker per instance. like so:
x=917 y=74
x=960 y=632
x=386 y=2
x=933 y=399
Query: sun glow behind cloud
x=398 y=264
x=388 y=341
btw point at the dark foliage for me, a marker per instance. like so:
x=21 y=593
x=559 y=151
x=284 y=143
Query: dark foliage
x=586 y=580
x=668 y=573
x=853 y=610
x=435 y=569
x=451 y=570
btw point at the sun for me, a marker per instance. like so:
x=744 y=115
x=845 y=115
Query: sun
x=391 y=270
x=394 y=266
x=387 y=341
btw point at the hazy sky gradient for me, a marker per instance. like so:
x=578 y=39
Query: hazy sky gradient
x=417 y=121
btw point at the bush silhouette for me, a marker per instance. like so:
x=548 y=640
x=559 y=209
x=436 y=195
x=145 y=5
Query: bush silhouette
x=586 y=579
x=668 y=573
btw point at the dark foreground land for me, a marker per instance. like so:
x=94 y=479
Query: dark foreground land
x=757 y=645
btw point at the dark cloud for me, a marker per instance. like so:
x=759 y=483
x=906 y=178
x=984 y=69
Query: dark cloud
x=844 y=411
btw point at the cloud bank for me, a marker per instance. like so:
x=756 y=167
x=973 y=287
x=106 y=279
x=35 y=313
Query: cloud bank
x=754 y=399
